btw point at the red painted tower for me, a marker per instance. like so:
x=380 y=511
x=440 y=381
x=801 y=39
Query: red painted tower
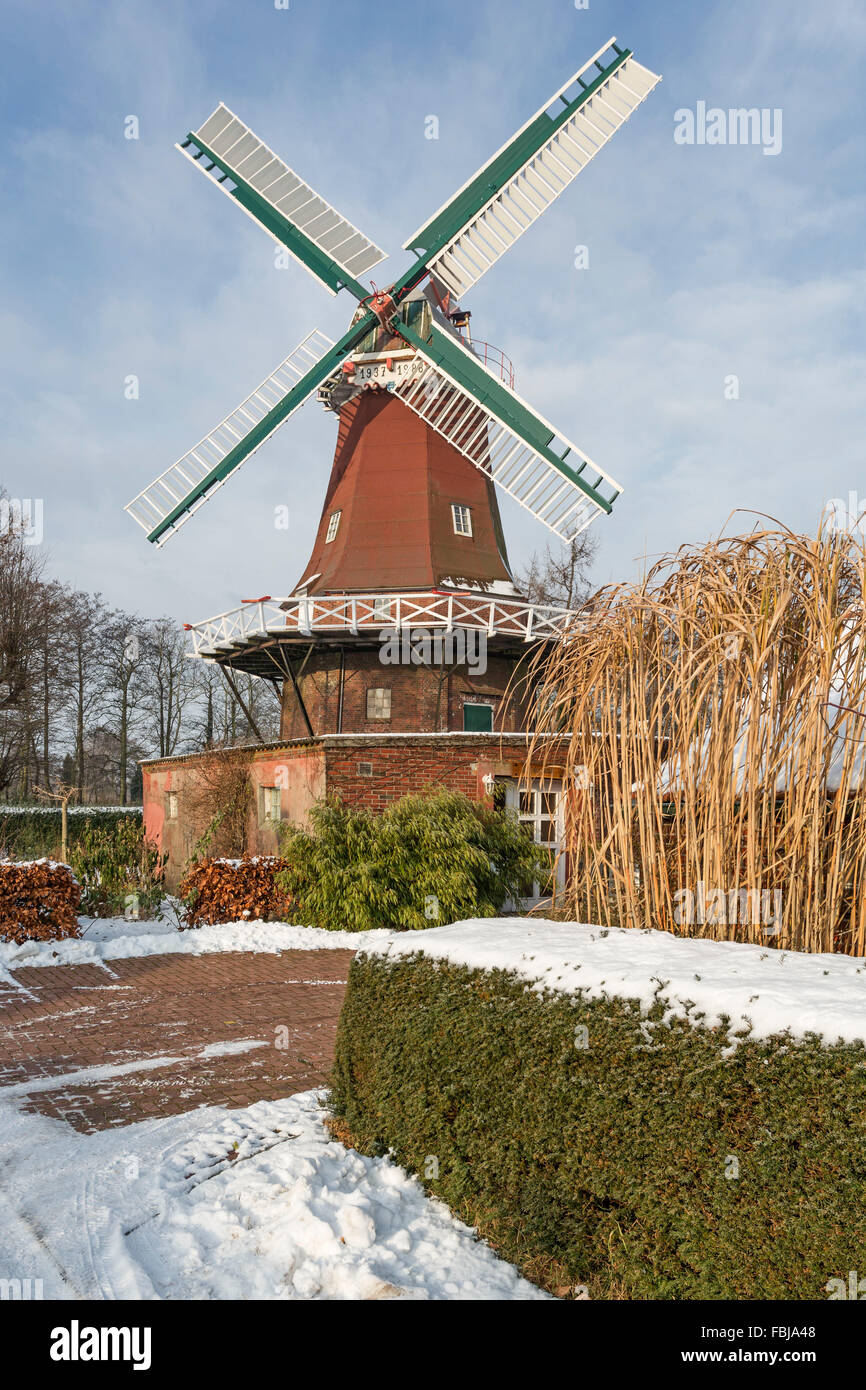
x=409 y=524
x=388 y=520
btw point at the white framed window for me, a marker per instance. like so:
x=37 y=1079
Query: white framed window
x=540 y=811
x=333 y=526
x=462 y=518
x=270 y=804
x=379 y=703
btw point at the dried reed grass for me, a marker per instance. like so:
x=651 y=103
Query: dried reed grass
x=717 y=721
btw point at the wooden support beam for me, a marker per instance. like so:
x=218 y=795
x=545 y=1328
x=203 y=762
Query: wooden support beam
x=240 y=699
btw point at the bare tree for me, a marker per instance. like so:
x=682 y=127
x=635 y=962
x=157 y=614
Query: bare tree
x=62 y=795
x=560 y=577
x=20 y=571
x=49 y=685
x=220 y=717
x=85 y=692
x=123 y=659
x=84 y=620
x=170 y=686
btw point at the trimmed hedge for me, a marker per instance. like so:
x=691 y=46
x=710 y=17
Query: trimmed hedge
x=607 y=1166
x=38 y=902
x=31 y=831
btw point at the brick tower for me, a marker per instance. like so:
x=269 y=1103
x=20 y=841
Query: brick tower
x=410 y=534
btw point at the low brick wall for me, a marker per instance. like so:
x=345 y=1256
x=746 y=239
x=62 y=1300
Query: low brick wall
x=363 y=769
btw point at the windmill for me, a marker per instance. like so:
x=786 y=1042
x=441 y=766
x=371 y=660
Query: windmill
x=412 y=392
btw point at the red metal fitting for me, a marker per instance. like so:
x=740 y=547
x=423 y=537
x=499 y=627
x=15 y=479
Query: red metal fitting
x=383 y=307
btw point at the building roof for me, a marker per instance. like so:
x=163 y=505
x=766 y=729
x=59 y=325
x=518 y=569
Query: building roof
x=485 y=740
x=393 y=481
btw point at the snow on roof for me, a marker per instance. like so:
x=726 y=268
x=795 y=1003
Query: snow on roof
x=843 y=760
x=765 y=991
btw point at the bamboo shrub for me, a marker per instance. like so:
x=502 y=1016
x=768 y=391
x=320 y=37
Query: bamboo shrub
x=716 y=714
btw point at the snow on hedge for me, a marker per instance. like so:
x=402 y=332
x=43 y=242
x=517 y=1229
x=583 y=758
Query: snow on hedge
x=709 y=982
x=31 y=864
x=765 y=990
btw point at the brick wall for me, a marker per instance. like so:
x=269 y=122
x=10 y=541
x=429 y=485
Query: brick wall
x=298 y=770
x=423 y=699
x=365 y=773
x=365 y=770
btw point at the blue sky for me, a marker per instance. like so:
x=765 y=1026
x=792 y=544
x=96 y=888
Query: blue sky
x=704 y=262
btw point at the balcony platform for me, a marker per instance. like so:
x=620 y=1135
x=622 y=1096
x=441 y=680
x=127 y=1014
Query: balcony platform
x=247 y=638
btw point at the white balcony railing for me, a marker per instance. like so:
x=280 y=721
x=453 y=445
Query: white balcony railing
x=327 y=614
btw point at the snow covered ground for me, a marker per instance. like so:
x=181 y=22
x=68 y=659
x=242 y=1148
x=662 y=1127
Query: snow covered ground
x=215 y=1204
x=766 y=991
x=260 y=1202
x=114 y=938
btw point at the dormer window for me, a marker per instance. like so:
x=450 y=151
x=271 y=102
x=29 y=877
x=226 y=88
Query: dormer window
x=333 y=526
x=462 y=518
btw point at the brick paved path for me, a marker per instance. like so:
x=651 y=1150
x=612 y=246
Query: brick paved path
x=226 y=1029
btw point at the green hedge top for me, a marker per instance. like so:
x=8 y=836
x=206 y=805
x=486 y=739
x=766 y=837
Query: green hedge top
x=747 y=990
x=33 y=832
x=622 y=1113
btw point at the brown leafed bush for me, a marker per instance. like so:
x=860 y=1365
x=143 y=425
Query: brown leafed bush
x=229 y=890
x=39 y=901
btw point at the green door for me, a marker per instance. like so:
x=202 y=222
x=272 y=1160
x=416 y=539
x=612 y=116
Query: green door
x=478 y=719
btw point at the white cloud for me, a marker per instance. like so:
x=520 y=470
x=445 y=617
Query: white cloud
x=702 y=263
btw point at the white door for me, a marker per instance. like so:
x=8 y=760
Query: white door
x=539 y=808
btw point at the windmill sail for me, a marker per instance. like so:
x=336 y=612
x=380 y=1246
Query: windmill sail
x=490 y=212
x=505 y=437
x=172 y=498
x=325 y=243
